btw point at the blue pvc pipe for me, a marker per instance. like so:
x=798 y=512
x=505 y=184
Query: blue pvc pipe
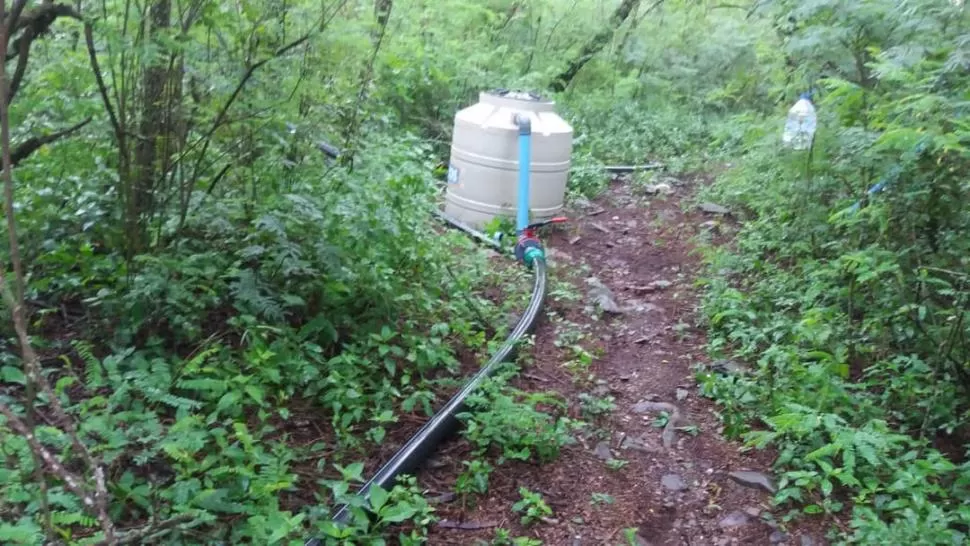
x=891 y=176
x=525 y=163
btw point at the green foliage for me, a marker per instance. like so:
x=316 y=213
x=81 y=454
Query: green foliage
x=602 y=498
x=594 y=407
x=475 y=477
x=514 y=422
x=532 y=507
x=373 y=520
x=258 y=317
x=504 y=538
x=856 y=320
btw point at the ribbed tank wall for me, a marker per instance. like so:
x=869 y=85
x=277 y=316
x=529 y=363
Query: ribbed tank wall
x=483 y=170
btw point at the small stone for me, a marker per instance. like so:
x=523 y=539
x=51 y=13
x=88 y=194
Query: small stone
x=647 y=308
x=661 y=189
x=752 y=511
x=682 y=394
x=602 y=296
x=638 y=445
x=673 y=482
x=643 y=407
x=601 y=390
x=577 y=541
x=777 y=537
x=754 y=480
x=556 y=255
x=734 y=519
x=659 y=285
x=444 y=498
x=602 y=451
x=807 y=540
x=578 y=521
x=725 y=367
x=712 y=208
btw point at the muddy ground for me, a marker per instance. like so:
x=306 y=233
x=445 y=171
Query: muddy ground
x=641 y=247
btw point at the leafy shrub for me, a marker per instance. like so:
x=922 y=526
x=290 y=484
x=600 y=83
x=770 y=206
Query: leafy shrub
x=854 y=317
x=512 y=421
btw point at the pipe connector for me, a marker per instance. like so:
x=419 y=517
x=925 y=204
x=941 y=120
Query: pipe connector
x=528 y=250
x=532 y=254
x=524 y=123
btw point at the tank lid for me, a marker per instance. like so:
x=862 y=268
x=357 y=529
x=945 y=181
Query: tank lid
x=516 y=95
x=517 y=100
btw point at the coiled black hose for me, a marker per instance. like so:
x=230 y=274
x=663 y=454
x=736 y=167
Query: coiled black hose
x=423 y=443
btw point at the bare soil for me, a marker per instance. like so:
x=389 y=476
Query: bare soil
x=648 y=354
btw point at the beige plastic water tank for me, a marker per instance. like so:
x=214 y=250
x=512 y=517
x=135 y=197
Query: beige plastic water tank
x=483 y=170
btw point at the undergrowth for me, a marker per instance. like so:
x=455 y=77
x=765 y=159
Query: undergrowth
x=855 y=318
x=236 y=322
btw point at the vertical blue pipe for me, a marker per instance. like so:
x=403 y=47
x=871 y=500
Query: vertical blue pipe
x=525 y=163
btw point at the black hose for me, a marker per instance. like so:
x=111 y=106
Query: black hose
x=472 y=232
x=442 y=424
x=423 y=443
x=624 y=169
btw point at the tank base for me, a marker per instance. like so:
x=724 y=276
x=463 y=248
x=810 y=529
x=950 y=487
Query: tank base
x=479 y=216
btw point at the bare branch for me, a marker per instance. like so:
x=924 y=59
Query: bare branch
x=15 y=12
x=74 y=483
x=36 y=22
x=15 y=301
x=32 y=144
x=597 y=42
x=103 y=90
x=18 y=74
x=220 y=117
x=138 y=536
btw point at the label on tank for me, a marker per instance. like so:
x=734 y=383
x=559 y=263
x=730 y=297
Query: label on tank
x=453 y=173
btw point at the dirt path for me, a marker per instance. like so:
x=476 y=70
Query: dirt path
x=683 y=495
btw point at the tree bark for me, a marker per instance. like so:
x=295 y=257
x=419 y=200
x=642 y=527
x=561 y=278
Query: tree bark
x=153 y=133
x=595 y=45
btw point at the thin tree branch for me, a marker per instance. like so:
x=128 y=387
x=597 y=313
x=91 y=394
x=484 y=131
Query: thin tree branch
x=73 y=482
x=15 y=301
x=137 y=536
x=15 y=11
x=597 y=42
x=235 y=94
x=32 y=144
x=18 y=74
x=103 y=90
x=36 y=22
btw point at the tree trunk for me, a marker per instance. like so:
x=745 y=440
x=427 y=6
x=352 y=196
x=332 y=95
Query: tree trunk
x=595 y=45
x=153 y=132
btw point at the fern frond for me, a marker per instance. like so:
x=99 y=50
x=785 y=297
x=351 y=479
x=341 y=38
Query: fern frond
x=93 y=370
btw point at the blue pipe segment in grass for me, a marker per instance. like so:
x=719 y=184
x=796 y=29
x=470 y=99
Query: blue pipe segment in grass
x=525 y=164
x=891 y=176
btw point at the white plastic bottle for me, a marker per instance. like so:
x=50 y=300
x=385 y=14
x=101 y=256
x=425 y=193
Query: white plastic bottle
x=800 y=125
